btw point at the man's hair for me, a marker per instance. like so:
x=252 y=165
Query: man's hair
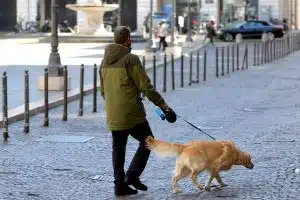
x=121 y=34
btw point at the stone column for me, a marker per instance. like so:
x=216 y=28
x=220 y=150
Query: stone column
x=42 y=13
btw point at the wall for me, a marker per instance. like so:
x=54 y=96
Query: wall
x=269 y=9
x=7 y=14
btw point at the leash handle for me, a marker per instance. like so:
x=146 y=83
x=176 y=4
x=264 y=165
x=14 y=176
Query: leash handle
x=197 y=128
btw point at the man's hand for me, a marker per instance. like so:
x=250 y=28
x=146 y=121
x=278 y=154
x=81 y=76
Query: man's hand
x=165 y=107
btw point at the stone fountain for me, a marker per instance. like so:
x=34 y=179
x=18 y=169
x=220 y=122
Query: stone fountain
x=94 y=13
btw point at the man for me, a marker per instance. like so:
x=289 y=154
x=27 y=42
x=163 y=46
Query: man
x=123 y=79
x=210 y=32
x=162 y=33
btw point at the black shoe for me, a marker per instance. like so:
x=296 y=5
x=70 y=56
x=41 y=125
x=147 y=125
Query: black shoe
x=124 y=190
x=137 y=184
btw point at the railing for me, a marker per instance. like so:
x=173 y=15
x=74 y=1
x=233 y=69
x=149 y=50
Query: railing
x=202 y=64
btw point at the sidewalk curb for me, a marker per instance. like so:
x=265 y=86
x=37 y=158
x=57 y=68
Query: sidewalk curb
x=37 y=107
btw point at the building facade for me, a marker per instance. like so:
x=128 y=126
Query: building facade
x=135 y=11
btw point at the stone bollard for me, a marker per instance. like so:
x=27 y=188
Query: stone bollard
x=238 y=38
x=264 y=37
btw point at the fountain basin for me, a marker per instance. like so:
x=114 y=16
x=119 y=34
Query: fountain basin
x=94 y=13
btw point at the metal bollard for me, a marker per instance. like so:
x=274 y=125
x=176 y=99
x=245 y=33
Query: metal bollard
x=65 y=112
x=232 y=60
x=181 y=70
x=198 y=67
x=237 y=57
x=191 y=68
x=80 y=113
x=281 y=48
x=46 y=98
x=26 y=102
x=274 y=49
x=262 y=54
x=173 y=72
x=217 y=62
x=269 y=50
x=204 y=66
x=244 y=59
x=95 y=89
x=254 y=54
x=154 y=71
x=165 y=74
x=266 y=52
x=228 y=56
x=258 y=55
x=4 y=108
x=247 y=56
x=223 y=64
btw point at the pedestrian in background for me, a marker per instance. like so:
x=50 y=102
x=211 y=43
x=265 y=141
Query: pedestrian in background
x=210 y=32
x=162 y=33
x=123 y=79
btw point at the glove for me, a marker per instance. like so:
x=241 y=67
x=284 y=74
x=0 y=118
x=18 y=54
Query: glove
x=170 y=115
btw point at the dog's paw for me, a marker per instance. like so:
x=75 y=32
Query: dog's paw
x=200 y=187
x=177 y=190
x=207 y=188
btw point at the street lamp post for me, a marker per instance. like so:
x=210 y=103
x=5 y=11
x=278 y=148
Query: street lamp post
x=149 y=46
x=246 y=10
x=173 y=24
x=189 y=33
x=218 y=14
x=54 y=63
x=120 y=13
x=296 y=14
x=198 y=14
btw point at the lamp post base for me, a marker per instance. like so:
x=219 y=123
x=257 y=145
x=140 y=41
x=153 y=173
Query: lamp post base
x=54 y=65
x=54 y=83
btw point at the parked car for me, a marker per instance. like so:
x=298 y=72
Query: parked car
x=249 y=29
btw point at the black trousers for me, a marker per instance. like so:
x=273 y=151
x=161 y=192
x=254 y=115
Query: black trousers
x=211 y=39
x=162 y=40
x=140 y=132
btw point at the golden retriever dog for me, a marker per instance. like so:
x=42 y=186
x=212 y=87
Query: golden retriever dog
x=196 y=156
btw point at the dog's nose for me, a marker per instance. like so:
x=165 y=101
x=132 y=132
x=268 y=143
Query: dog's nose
x=251 y=166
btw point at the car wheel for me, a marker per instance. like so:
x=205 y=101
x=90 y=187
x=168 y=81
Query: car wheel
x=228 y=37
x=271 y=36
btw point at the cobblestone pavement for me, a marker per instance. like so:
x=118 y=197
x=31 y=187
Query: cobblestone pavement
x=257 y=109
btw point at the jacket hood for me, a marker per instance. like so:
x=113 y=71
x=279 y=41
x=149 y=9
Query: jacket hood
x=114 y=52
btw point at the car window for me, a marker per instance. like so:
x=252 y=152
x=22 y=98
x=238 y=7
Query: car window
x=250 y=25
x=259 y=24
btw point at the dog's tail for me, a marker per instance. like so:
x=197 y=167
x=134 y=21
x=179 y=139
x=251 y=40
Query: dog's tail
x=164 y=149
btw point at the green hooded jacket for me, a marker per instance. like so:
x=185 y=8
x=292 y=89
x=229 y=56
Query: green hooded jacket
x=123 y=79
